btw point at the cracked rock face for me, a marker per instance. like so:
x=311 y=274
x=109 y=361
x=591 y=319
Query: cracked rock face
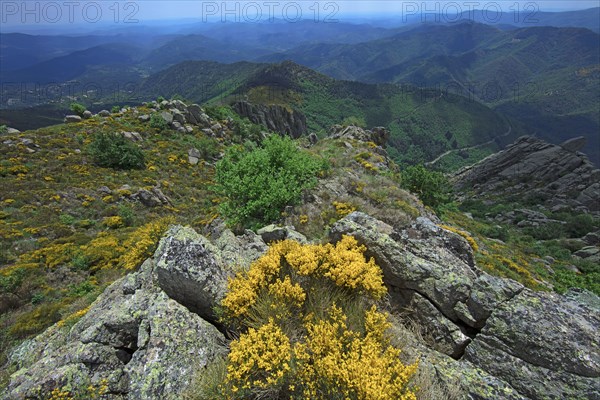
x=533 y=167
x=545 y=345
x=144 y=334
x=532 y=345
x=275 y=117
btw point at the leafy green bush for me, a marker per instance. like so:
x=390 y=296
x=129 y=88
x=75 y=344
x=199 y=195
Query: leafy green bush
x=259 y=183
x=244 y=130
x=579 y=225
x=158 y=122
x=115 y=109
x=114 y=151
x=127 y=214
x=219 y=113
x=356 y=121
x=432 y=187
x=3 y=129
x=78 y=109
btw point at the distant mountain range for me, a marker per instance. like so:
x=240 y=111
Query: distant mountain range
x=546 y=79
x=424 y=123
x=545 y=76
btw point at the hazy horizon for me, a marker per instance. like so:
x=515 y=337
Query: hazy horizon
x=86 y=16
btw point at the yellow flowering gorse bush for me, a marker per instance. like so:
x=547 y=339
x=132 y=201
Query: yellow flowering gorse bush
x=307 y=331
x=343 y=263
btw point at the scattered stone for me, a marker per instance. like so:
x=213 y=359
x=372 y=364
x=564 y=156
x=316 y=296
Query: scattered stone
x=153 y=198
x=573 y=268
x=87 y=114
x=104 y=113
x=104 y=190
x=592 y=238
x=72 y=119
x=589 y=253
x=194 y=156
x=574 y=144
x=313 y=138
x=144 y=118
x=133 y=136
x=12 y=131
x=272 y=233
x=167 y=116
x=177 y=116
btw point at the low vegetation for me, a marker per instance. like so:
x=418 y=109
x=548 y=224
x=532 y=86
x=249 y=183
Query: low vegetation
x=309 y=327
x=258 y=183
x=111 y=150
x=71 y=223
x=432 y=187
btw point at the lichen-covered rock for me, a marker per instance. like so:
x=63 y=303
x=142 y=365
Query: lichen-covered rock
x=144 y=343
x=545 y=345
x=433 y=262
x=273 y=233
x=510 y=342
x=188 y=270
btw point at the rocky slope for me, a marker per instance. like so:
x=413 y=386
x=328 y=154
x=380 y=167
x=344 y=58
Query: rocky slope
x=148 y=334
x=275 y=117
x=150 y=331
x=558 y=175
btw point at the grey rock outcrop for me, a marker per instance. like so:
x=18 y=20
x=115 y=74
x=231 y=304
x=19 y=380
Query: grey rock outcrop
x=190 y=272
x=533 y=168
x=152 y=198
x=273 y=233
x=72 y=119
x=544 y=345
x=145 y=343
x=143 y=334
x=274 y=117
x=540 y=345
x=377 y=135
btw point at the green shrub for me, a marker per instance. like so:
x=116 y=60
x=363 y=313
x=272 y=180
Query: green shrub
x=158 y=122
x=432 y=187
x=115 y=109
x=579 y=225
x=78 y=109
x=258 y=184
x=356 y=121
x=244 y=130
x=219 y=113
x=3 y=129
x=114 y=151
x=127 y=214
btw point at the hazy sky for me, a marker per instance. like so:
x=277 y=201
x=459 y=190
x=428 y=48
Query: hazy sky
x=67 y=12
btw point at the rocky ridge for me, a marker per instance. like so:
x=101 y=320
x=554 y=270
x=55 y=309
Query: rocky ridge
x=275 y=117
x=558 y=175
x=145 y=335
x=151 y=330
